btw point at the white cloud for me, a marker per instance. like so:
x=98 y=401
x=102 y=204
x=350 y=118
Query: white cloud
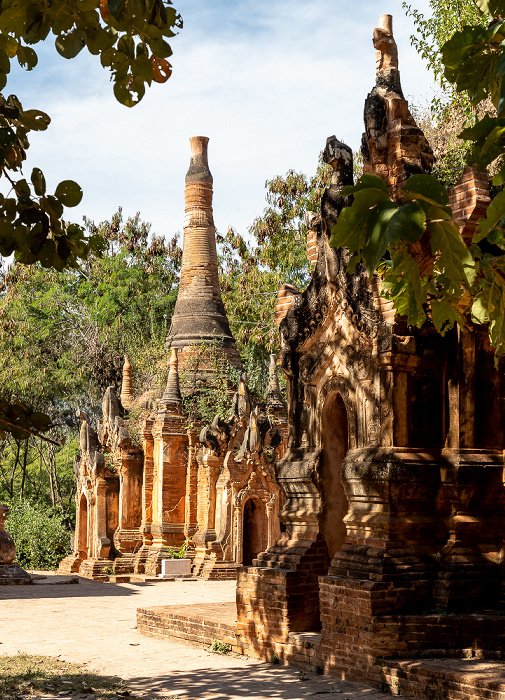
x=267 y=82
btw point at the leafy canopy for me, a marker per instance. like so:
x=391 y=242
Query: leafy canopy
x=130 y=36
x=63 y=336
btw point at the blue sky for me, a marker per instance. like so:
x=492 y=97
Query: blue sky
x=266 y=81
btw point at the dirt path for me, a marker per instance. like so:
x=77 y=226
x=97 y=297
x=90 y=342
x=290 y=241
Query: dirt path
x=94 y=623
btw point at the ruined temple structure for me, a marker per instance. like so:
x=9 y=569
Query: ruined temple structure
x=138 y=496
x=240 y=517
x=393 y=527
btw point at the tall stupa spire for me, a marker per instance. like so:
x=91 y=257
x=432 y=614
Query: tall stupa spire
x=199 y=315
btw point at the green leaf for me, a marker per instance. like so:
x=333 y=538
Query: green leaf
x=491 y=7
x=40 y=421
x=479 y=310
x=125 y=89
x=425 y=187
x=117 y=8
x=38 y=181
x=481 y=129
x=460 y=45
x=444 y=314
x=69 y=193
x=364 y=183
x=7 y=137
x=408 y=223
x=99 y=39
x=46 y=255
x=27 y=58
x=160 y=48
x=126 y=45
x=454 y=258
x=22 y=187
x=495 y=218
x=8 y=44
x=403 y=284
x=5 y=64
x=53 y=208
x=143 y=68
x=69 y=45
x=351 y=225
x=474 y=75
x=376 y=238
x=35 y=120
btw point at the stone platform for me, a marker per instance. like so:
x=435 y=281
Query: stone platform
x=437 y=678
x=200 y=624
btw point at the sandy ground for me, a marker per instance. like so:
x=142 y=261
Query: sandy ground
x=94 y=623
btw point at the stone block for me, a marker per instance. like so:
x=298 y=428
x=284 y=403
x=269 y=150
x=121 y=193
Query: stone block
x=173 y=568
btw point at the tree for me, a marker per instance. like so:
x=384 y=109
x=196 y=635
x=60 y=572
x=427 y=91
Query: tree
x=251 y=271
x=450 y=111
x=40 y=536
x=129 y=36
x=434 y=31
x=415 y=240
x=63 y=337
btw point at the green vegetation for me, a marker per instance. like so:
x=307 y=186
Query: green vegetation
x=63 y=337
x=27 y=675
x=276 y=255
x=208 y=382
x=178 y=553
x=130 y=39
x=41 y=538
x=220 y=647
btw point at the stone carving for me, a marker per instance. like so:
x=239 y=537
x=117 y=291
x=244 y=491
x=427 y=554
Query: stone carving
x=127 y=386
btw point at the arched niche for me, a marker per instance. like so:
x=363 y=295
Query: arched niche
x=334 y=444
x=82 y=539
x=253 y=530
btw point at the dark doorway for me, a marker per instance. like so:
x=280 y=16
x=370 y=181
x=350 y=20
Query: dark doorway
x=335 y=444
x=253 y=530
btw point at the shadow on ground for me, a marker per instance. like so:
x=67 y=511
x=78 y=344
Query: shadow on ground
x=249 y=682
x=84 y=589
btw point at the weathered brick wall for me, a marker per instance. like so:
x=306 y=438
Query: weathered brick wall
x=280 y=594
x=469 y=199
x=285 y=296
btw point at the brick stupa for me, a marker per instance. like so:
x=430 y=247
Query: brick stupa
x=199 y=317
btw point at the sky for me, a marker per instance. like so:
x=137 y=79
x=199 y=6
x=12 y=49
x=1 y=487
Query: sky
x=266 y=81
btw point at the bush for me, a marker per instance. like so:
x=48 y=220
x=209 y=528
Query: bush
x=39 y=534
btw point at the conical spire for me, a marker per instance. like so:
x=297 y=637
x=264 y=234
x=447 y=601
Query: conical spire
x=127 y=387
x=172 y=394
x=199 y=314
x=274 y=396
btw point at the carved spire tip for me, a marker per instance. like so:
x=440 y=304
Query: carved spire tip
x=172 y=393
x=386 y=23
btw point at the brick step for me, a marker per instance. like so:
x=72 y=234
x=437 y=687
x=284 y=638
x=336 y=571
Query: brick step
x=446 y=679
x=199 y=624
x=223 y=571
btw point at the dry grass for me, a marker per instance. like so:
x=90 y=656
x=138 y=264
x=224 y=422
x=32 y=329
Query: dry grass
x=29 y=676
